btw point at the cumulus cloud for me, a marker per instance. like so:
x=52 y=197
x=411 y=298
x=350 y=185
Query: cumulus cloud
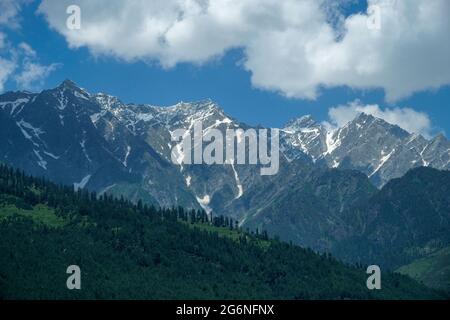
x=19 y=62
x=295 y=47
x=406 y=118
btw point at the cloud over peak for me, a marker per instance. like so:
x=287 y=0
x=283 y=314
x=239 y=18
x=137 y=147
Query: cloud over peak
x=406 y=118
x=290 y=46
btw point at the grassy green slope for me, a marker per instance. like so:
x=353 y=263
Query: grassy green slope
x=433 y=270
x=40 y=214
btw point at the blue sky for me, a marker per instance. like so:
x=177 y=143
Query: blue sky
x=223 y=79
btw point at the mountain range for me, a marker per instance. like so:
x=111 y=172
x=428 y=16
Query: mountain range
x=380 y=150
x=342 y=190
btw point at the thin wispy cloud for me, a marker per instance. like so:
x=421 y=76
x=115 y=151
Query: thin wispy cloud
x=20 y=62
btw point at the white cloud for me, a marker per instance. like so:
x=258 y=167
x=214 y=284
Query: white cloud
x=2 y=40
x=9 y=12
x=19 y=62
x=291 y=46
x=7 y=65
x=406 y=118
x=6 y=69
x=27 y=50
x=33 y=74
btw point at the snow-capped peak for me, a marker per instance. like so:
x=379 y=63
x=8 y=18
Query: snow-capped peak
x=381 y=150
x=301 y=123
x=107 y=101
x=204 y=106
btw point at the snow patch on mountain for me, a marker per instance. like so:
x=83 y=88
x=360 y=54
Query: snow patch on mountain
x=383 y=160
x=41 y=162
x=83 y=147
x=331 y=142
x=125 y=161
x=51 y=155
x=204 y=203
x=31 y=133
x=82 y=183
x=188 y=181
x=62 y=100
x=14 y=104
x=238 y=182
x=82 y=95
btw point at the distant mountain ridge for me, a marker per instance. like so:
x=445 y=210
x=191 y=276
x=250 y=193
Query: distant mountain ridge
x=380 y=150
x=96 y=141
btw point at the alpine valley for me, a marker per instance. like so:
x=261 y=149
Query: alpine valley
x=368 y=192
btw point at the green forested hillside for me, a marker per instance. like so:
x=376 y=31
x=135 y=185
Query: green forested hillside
x=134 y=251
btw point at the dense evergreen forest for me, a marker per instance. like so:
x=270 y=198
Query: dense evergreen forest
x=135 y=251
